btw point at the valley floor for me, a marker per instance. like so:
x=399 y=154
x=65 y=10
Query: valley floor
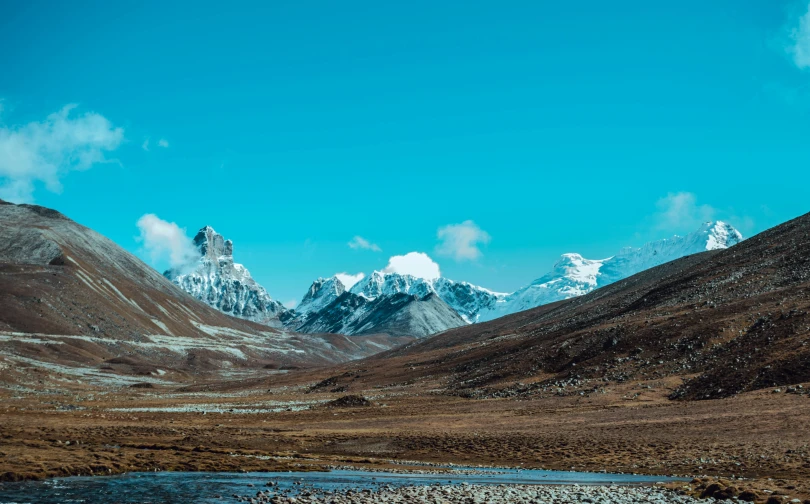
x=762 y=437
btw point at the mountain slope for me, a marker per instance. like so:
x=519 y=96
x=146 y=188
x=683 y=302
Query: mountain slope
x=712 y=324
x=398 y=314
x=465 y=298
x=320 y=294
x=71 y=297
x=225 y=285
x=386 y=303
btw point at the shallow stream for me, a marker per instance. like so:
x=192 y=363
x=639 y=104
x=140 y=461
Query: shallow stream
x=200 y=487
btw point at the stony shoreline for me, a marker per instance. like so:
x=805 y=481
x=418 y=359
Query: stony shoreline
x=476 y=494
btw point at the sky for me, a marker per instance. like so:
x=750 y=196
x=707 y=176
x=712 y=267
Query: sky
x=482 y=138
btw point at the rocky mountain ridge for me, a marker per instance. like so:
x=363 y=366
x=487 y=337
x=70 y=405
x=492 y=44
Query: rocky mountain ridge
x=398 y=314
x=223 y=284
x=329 y=306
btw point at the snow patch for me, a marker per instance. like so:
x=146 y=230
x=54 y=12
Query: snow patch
x=161 y=325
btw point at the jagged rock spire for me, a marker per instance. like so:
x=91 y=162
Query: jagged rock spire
x=212 y=244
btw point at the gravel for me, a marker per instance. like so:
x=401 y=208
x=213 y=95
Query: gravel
x=476 y=494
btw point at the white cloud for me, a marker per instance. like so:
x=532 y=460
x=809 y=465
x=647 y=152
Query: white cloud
x=680 y=211
x=165 y=240
x=358 y=242
x=460 y=241
x=799 y=48
x=291 y=304
x=163 y=143
x=417 y=264
x=46 y=151
x=145 y=145
x=349 y=280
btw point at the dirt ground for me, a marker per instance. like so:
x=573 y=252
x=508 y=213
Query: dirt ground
x=762 y=437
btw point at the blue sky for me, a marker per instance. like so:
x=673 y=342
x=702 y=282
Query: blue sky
x=292 y=127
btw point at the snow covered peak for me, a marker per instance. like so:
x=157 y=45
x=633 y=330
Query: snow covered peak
x=381 y=283
x=211 y=244
x=710 y=236
x=573 y=275
x=575 y=267
x=720 y=235
x=223 y=284
x=320 y=294
x=465 y=298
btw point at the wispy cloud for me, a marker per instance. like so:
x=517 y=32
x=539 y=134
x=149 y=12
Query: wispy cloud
x=349 y=280
x=461 y=241
x=292 y=303
x=163 y=143
x=680 y=211
x=358 y=242
x=45 y=151
x=799 y=47
x=167 y=241
x=417 y=264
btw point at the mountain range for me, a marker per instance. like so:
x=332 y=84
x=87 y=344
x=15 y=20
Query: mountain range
x=405 y=305
x=705 y=326
x=725 y=319
x=574 y=275
x=74 y=302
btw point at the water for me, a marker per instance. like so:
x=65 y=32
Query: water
x=200 y=487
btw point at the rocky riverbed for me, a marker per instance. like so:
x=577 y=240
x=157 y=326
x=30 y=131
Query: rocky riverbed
x=475 y=494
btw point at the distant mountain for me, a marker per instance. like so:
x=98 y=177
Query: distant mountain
x=388 y=303
x=373 y=304
x=397 y=314
x=573 y=275
x=320 y=294
x=225 y=285
x=465 y=298
x=710 y=325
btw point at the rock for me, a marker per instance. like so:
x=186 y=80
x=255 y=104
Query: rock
x=711 y=490
x=349 y=401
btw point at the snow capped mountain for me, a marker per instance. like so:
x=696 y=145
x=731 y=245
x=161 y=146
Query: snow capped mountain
x=396 y=303
x=465 y=298
x=223 y=284
x=390 y=303
x=573 y=275
x=710 y=236
x=397 y=314
x=320 y=294
x=380 y=283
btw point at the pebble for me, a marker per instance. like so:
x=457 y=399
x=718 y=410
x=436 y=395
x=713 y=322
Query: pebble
x=480 y=494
